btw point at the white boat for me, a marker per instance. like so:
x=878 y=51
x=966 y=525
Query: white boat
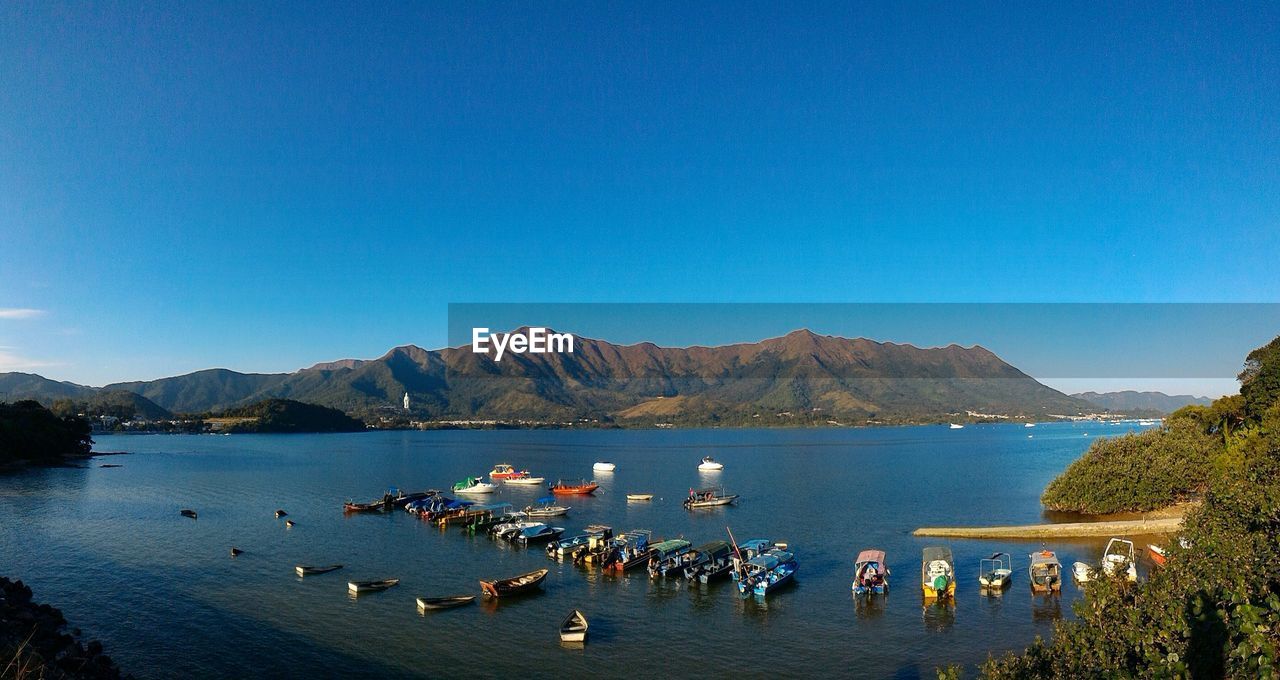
x=1081 y=572
x=957 y=427
x=995 y=572
x=709 y=464
x=574 y=627
x=604 y=466
x=546 y=507
x=1119 y=558
x=639 y=496
x=1028 y=424
x=525 y=481
x=477 y=488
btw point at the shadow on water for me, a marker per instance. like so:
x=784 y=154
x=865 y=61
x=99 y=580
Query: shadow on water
x=1045 y=607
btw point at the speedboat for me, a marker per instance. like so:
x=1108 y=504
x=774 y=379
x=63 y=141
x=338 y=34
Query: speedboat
x=995 y=572
x=507 y=530
x=525 y=481
x=1045 y=572
x=506 y=471
x=604 y=466
x=937 y=572
x=1118 y=558
x=708 y=498
x=710 y=464
x=538 y=534
x=546 y=507
x=870 y=573
x=474 y=485
x=768 y=572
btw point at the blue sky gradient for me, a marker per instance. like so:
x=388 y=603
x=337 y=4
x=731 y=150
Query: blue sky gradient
x=264 y=186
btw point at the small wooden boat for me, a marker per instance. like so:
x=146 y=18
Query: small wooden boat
x=995 y=572
x=188 y=513
x=1157 y=554
x=280 y=513
x=1118 y=559
x=506 y=471
x=508 y=531
x=289 y=524
x=436 y=603
x=708 y=498
x=359 y=587
x=870 y=573
x=574 y=627
x=639 y=496
x=307 y=570
x=236 y=552
x=604 y=466
x=937 y=572
x=516 y=585
x=353 y=507
x=710 y=464
x=1045 y=572
x=578 y=488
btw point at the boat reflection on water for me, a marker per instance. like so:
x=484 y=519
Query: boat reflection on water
x=939 y=615
x=1046 y=608
x=869 y=607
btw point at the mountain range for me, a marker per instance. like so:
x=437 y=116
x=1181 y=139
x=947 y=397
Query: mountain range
x=799 y=376
x=1130 y=401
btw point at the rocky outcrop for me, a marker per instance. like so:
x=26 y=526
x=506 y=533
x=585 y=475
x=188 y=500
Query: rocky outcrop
x=34 y=642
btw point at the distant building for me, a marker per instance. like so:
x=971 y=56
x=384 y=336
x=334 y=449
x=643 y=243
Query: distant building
x=406 y=401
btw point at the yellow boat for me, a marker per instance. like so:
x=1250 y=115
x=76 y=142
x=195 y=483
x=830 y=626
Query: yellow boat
x=937 y=573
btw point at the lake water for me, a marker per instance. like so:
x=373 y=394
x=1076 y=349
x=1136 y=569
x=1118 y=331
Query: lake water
x=109 y=548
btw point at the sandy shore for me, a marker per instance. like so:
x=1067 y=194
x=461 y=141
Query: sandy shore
x=1165 y=521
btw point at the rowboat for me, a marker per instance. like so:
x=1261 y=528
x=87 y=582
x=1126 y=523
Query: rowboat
x=474 y=485
x=1118 y=558
x=766 y=573
x=870 y=573
x=708 y=498
x=538 y=534
x=435 y=603
x=639 y=496
x=546 y=508
x=514 y=586
x=566 y=546
x=937 y=572
x=280 y=513
x=1158 y=555
x=709 y=562
x=1045 y=572
x=995 y=572
x=359 y=587
x=665 y=556
x=578 y=488
x=305 y=570
x=574 y=627
x=604 y=466
x=525 y=481
x=236 y=552
x=506 y=471
x=188 y=513
x=352 y=507
x=710 y=464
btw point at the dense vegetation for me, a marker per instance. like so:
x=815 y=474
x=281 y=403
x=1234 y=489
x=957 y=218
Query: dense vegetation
x=1215 y=610
x=116 y=403
x=30 y=432
x=286 y=415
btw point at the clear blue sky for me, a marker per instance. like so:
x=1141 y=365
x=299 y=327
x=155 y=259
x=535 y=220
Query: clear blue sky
x=266 y=185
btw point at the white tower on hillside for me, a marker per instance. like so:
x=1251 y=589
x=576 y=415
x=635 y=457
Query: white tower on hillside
x=406 y=401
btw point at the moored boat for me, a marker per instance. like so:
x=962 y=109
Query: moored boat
x=767 y=572
x=629 y=551
x=426 y=604
x=509 y=530
x=525 y=481
x=1118 y=559
x=567 y=546
x=574 y=627
x=307 y=570
x=710 y=464
x=1157 y=554
x=474 y=485
x=665 y=556
x=708 y=562
x=937 y=572
x=546 y=507
x=506 y=471
x=604 y=466
x=360 y=587
x=515 y=585
x=954 y=426
x=870 y=573
x=639 y=496
x=575 y=488
x=1045 y=572
x=538 y=534
x=708 y=498
x=1081 y=572
x=187 y=512
x=995 y=572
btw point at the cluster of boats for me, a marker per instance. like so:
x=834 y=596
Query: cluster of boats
x=995 y=573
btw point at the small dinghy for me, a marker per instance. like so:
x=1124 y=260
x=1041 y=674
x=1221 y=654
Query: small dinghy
x=1158 y=556
x=574 y=627
x=361 y=587
x=517 y=585
x=307 y=570
x=289 y=524
x=188 y=513
x=995 y=572
x=426 y=604
x=236 y=552
x=710 y=464
x=1081 y=572
x=280 y=513
x=604 y=466
x=639 y=496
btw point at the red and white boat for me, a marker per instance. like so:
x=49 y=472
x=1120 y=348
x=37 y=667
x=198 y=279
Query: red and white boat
x=506 y=471
x=1157 y=554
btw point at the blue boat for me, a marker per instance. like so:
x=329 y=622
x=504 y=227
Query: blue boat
x=766 y=573
x=748 y=550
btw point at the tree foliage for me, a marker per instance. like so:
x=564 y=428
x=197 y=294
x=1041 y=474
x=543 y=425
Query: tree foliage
x=31 y=432
x=286 y=415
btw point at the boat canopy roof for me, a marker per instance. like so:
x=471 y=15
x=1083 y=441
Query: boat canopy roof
x=755 y=544
x=870 y=556
x=492 y=507
x=454 y=505
x=670 y=545
x=1044 y=557
x=770 y=560
x=713 y=548
x=937 y=552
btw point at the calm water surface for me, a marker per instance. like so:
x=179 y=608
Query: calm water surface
x=109 y=548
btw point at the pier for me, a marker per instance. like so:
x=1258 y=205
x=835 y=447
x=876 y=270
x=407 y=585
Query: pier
x=1162 y=525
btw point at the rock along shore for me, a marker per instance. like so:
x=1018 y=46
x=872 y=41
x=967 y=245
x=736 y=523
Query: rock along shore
x=34 y=644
